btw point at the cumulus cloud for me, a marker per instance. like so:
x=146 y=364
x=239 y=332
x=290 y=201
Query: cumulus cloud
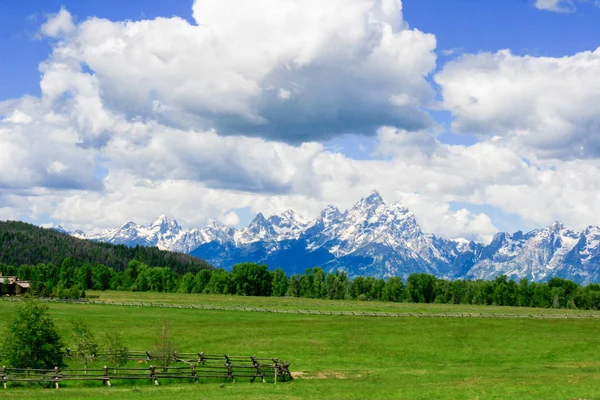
x=548 y=107
x=282 y=70
x=59 y=24
x=40 y=149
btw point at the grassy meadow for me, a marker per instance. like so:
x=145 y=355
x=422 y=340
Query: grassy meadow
x=294 y=303
x=347 y=357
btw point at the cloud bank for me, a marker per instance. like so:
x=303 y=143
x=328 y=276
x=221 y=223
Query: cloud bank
x=140 y=118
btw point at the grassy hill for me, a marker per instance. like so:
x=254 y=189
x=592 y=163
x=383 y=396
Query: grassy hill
x=26 y=244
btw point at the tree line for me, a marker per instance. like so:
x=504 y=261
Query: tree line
x=71 y=280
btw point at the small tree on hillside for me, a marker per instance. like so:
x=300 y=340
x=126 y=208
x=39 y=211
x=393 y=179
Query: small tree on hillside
x=31 y=340
x=118 y=354
x=164 y=349
x=86 y=345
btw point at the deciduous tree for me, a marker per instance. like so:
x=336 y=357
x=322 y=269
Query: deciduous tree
x=31 y=339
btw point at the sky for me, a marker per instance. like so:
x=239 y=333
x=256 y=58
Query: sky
x=479 y=116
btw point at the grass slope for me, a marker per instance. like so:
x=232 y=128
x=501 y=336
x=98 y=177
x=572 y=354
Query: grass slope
x=355 y=357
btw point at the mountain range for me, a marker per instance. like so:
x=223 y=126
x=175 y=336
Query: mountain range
x=372 y=239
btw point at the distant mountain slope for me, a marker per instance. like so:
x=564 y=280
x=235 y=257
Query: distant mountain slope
x=22 y=243
x=374 y=239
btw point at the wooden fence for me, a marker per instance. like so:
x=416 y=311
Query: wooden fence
x=199 y=366
x=587 y=315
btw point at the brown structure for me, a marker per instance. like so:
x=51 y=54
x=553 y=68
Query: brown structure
x=12 y=286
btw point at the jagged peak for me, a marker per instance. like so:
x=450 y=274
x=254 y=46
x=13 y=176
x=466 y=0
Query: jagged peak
x=60 y=228
x=214 y=225
x=259 y=221
x=165 y=223
x=373 y=198
x=128 y=224
x=557 y=225
x=161 y=220
x=290 y=217
x=289 y=213
x=592 y=228
x=330 y=212
x=259 y=217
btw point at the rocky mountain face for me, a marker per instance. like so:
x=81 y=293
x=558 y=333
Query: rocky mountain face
x=372 y=239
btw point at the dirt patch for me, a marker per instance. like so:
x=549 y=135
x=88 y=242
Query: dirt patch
x=325 y=375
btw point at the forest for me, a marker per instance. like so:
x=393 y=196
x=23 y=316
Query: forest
x=71 y=280
x=26 y=244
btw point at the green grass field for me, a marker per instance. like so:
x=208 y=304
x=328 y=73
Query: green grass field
x=345 y=357
x=291 y=303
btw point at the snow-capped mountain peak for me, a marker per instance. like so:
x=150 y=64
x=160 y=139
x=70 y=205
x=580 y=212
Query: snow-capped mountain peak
x=372 y=238
x=330 y=215
x=259 y=229
x=164 y=224
x=373 y=198
x=288 y=225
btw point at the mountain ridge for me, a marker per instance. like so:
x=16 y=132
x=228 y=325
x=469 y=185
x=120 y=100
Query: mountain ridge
x=372 y=238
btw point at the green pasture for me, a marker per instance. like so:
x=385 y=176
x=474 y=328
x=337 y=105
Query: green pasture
x=294 y=303
x=347 y=357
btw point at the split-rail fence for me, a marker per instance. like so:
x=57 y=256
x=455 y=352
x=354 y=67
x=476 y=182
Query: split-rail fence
x=198 y=366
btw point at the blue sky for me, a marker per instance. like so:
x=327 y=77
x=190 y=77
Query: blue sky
x=469 y=158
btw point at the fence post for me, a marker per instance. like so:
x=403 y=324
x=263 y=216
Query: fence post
x=230 y=371
x=194 y=374
x=153 y=375
x=56 y=376
x=4 y=376
x=256 y=365
x=106 y=377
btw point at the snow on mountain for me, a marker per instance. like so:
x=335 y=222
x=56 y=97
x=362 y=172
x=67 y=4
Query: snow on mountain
x=288 y=225
x=372 y=238
x=259 y=230
x=538 y=255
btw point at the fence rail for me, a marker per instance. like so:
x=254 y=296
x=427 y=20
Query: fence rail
x=318 y=312
x=205 y=366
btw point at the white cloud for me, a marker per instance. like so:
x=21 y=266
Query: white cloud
x=59 y=24
x=562 y=6
x=18 y=117
x=284 y=94
x=40 y=149
x=336 y=71
x=555 y=5
x=548 y=107
x=231 y=219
